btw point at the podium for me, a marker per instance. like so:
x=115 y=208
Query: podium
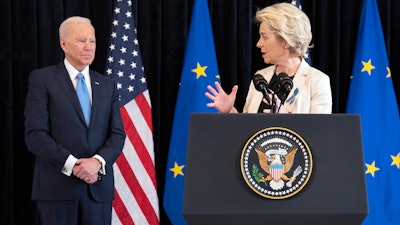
x=216 y=193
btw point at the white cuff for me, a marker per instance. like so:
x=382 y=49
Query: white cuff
x=69 y=165
x=103 y=164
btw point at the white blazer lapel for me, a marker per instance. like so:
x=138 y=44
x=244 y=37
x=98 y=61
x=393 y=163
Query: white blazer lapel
x=299 y=82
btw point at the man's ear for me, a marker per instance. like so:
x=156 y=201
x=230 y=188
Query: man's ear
x=63 y=44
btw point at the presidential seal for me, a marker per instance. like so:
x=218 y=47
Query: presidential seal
x=276 y=163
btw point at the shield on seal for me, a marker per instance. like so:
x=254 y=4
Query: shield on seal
x=276 y=171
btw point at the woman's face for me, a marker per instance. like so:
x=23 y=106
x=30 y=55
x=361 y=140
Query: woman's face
x=273 y=49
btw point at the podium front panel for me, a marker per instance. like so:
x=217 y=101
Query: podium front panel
x=215 y=191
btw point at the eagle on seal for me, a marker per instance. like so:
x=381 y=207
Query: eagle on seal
x=276 y=163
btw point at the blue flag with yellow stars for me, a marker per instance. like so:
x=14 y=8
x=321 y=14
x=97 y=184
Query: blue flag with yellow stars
x=199 y=70
x=372 y=95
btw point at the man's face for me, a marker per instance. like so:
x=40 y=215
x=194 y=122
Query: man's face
x=79 y=45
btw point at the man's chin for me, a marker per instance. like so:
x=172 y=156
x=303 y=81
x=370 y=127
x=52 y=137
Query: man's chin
x=88 y=62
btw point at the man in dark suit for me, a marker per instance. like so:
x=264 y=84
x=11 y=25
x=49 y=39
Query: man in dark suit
x=73 y=179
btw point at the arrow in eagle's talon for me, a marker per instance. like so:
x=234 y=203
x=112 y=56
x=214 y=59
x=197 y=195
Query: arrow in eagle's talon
x=296 y=172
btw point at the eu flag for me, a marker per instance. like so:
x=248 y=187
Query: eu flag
x=372 y=95
x=199 y=70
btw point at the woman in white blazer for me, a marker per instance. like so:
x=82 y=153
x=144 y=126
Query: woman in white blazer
x=285 y=35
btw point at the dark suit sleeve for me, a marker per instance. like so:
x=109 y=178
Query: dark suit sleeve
x=37 y=122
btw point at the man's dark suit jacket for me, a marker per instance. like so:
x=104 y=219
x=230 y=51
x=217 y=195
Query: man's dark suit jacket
x=55 y=128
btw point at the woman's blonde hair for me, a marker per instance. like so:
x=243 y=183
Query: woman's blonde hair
x=290 y=24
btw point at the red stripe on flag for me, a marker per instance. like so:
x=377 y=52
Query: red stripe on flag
x=121 y=210
x=145 y=109
x=137 y=190
x=140 y=148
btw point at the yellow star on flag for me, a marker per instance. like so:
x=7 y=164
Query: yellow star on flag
x=371 y=168
x=177 y=169
x=389 y=74
x=367 y=66
x=200 y=71
x=396 y=160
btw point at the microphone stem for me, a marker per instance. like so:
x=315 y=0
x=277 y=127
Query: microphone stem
x=273 y=104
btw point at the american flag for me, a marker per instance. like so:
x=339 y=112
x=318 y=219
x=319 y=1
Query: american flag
x=136 y=200
x=296 y=3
